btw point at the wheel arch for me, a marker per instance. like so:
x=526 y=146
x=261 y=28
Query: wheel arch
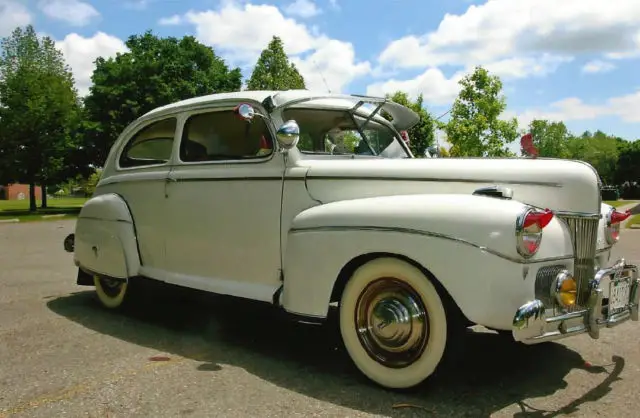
x=352 y=265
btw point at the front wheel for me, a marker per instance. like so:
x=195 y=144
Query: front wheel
x=112 y=293
x=393 y=323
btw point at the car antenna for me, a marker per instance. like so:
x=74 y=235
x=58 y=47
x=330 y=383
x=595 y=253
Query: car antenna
x=315 y=64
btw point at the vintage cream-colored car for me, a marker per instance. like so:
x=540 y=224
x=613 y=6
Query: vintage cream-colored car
x=304 y=200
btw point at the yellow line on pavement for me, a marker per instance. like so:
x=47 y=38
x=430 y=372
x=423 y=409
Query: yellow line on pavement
x=73 y=391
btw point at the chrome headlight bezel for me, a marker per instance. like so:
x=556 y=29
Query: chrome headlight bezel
x=529 y=237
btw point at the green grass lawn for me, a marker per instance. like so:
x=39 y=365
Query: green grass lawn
x=69 y=207
x=618 y=203
x=634 y=220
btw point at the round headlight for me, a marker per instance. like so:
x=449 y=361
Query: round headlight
x=565 y=289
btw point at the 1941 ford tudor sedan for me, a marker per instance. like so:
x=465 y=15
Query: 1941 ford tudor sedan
x=304 y=200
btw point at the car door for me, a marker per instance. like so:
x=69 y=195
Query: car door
x=223 y=205
x=142 y=167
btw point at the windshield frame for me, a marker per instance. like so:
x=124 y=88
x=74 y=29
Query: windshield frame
x=354 y=113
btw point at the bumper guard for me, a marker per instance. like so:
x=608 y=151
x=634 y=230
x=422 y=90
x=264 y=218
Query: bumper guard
x=531 y=325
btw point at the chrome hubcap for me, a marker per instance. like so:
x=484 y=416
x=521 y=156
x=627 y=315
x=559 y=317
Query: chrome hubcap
x=392 y=322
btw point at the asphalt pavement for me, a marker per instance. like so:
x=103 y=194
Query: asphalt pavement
x=183 y=353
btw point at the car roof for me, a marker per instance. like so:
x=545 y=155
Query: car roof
x=296 y=98
x=280 y=97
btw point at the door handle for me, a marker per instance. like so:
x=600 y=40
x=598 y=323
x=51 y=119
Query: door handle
x=168 y=180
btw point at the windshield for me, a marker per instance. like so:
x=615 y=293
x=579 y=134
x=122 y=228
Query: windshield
x=335 y=132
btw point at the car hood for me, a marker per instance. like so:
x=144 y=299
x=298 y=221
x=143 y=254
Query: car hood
x=562 y=185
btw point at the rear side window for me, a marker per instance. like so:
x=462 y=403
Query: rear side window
x=150 y=145
x=221 y=135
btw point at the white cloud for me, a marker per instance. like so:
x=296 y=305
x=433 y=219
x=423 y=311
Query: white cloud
x=244 y=31
x=626 y=107
x=74 y=12
x=435 y=87
x=598 y=66
x=522 y=67
x=501 y=30
x=572 y=109
x=12 y=15
x=328 y=62
x=241 y=32
x=302 y=8
x=170 y=21
x=80 y=53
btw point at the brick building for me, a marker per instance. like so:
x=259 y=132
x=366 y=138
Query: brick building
x=18 y=192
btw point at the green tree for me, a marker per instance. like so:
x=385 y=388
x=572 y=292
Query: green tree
x=38 y=110
x=550 y=138
x=601 y=151
x=273 y=70
x=422 y=135
x=474 y=128
x=598 y=149
x=628 y=166
x=154 y=72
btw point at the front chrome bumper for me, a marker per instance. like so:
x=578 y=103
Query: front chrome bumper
x=531 y=325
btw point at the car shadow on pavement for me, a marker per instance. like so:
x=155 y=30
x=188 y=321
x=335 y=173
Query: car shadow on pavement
x=491 y=374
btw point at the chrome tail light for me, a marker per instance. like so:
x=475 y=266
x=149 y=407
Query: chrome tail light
x=529 y=227
x=612 y=225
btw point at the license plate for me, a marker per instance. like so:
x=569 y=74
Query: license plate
x=619 y=292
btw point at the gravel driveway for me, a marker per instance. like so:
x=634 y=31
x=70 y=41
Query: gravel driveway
x=188 y=354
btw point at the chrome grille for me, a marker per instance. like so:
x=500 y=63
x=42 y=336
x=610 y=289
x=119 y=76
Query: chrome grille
x=544 y=280
x=584 y=235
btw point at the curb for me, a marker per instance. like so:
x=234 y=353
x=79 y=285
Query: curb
x=17 y=220
x=8 y=221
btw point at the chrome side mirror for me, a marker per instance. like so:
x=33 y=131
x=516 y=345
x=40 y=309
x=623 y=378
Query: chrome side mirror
x=288 y=135
x=245 y=111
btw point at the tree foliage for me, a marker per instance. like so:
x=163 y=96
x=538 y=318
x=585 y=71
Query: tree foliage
x=550 y=138
x=598 y=149
x=154 y=72
x=422 y=135
x=474 y=128
x=38 y=110
x=628 y=167
x=273 y=71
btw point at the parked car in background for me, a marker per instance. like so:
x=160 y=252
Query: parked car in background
x=610 y=193
x=301 y=200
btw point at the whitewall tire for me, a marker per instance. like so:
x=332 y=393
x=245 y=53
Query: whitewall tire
x=393 y=323
x=112 y=293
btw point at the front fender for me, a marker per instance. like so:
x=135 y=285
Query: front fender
x=105 y=238
x=467 y=242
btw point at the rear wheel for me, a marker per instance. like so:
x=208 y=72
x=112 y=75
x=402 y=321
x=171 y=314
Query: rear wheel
x=112 y=293
x=393 y=323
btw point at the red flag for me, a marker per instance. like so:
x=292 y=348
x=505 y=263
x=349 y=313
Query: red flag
x=526 y=143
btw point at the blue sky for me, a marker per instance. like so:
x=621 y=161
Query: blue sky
x=573 y=60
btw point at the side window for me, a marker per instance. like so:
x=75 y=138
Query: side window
x=222 y=135
x=150 y=145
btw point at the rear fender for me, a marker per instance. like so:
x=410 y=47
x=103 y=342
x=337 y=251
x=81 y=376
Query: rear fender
x=105 y=238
